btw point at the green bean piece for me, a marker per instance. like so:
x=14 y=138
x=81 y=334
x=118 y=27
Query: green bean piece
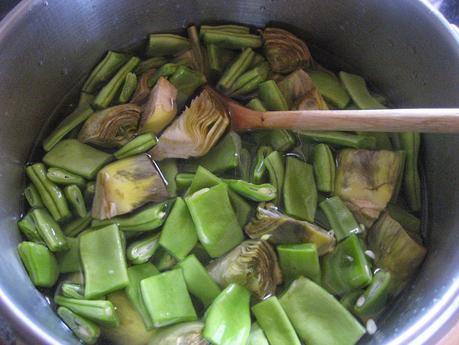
x=69 y=260
x=166 y=45
x=274 y=322
x=279 y=139
x=49 y=230
x=311 y=309
x=39 y=263
x=165 y=70
x=217 y=228
x=410 y=143
x=348 y=300
x=72 y=121
x=257 y=336
x=374 y=299
x=201 y=254
x=148 y=64
x=221 y=326
x=89 y=192
x=169 y=171
x=166 y=298
x=163 y=261
x=245 y=162
x=85 y=100
x=239 y=66
x=102 y=312
x=104 y=262
x=275 y=165
x=73 y=228
x=111 y=63
x=231 y=40
x=136 y=274
x=72 y=290
x=232 y=28
x=259 y=170
x=33 y=197
x=51 y=195
x=149 y=218
x=198 y=281
x=382 y=140
x=249 y=81
x=408 y=221
x=75 y=198
x=129 y=86
x=330 y=88
x=271 y=96
x=77 y=158
x=256 y=104
x=346 y=268
x=110 y=90
x=139 y=252
x=340 y=139
x=242 y=208
x=298 y=260
x=300 y=193
x=85 y=330
x=341 y=219
x=324 y=168
x=184 y=180
x=218 y=58
x=193 y=37
x=28 y=228
x=187 y=82
x=63 y=177
x=254 y=192
x=223 y=156
x=358 y=90
x=139 y=144
x=179 y=236
x=202 y=179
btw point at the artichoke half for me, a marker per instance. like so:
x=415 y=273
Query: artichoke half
x=194 y=132
x=366 y=180
x=279 y=228
x=125 y=185
x=284 y=51
x=187 y=333
x=111 y=127
x=252 y=264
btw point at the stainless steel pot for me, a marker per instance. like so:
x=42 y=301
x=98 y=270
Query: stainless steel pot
x=402 y=46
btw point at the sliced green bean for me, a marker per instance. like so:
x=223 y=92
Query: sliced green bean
x=139 y=252
x=256 y=104
x=73 y=228
x=187 y=82
x=85 y=330
x=218 y=58
x=341 y=219
x=64 y=177
x=169 y=170
x=373 y=301
x=249 y=81
x=241 y=207
x=324 y=168
x=148 y=64
x=33 y=197
x=129 y=86
x=245 y=161
x=184 y=180
x=72 y=290
x=69 y=260
x=257 y=336
x=196 y=48
x=163 y=260
x=410 y=143
x=240 y=65
x=49 y=230
x=254 y=192
x=279 y=139
x=259 y=170
x=165 y=70
x=340 y=139
x=85 y=100
x=275 y=165
x=28 y=228
x=238 y=29
x=271 y=96
x=330 y=88
x=358 y=90
x=140 y=144
x=166 y=44
x=231 y=40
x=298 y=260
x=39 y=263
x=75 y=198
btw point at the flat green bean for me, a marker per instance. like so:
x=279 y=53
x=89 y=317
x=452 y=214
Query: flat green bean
x=139 y=252
x=63 y=177
x=75 y=198
x=166 y=45
x=33 y=197
x=49 y=230
x=85 y=330
x=129 y=86
x=39 y=263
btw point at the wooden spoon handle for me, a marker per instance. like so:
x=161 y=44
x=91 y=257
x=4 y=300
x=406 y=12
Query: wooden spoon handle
x=384 y=120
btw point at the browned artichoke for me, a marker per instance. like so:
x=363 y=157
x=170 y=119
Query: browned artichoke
x=365 y=181
x=252 y=264
x=143 y=91
x=284 y=51
x=194 y=132
x=279 y=228
x=187 y=333
x=111 y=127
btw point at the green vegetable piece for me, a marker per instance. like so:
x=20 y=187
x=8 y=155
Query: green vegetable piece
x=260 y=170
x=166 y=298
x=250 y=80
x=129 y=86
x=163 y=260
x=185 y=333
x=254 y=192
x=69 y=261
x=271 y=96
x=239 y=66
x=221 y=326
x=140 y=144
x=203 y=179
x=198 y=281
x=245 y=161
x=410 y=143
x=85 y=100
x=279 y=139
x=164 y=71
x=63 y=177
x=136 y=274
x=217 y=58
x=373 y=301
x=179 y=236
x=139 y=252
x=346 y=268
x=85 y=330
x=184 y=180
x=90 y=191
x=231 y=40
x=110 y=90
x=298 y=260
x=274 y=322
x=104 y=262
x=232 y=28
x=76 y=226
x=33 y=197
x=341 y=219
x=28 y=228
x=49 y=230
x=340 y=139
x=39 y=263
x=101 y=312
x=186 y=82
x=111 y=63
x=241 y=207
x=357 y=88
x=151 y=63
x=75 y=198
x=169 y=170
x=300 y=193
x=166 y=45
x=408 y=221
x=382 y=140
x=217 y=228
x=324 y=168
x=275 y=165
x=256 y=104
x=311 y=310
x=51 y=195
x=348 y=300
x=257 y=336
x=72 y=290
x=330 y=88
x=77 y=158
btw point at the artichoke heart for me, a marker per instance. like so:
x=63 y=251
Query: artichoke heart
x=279 y=228
x=365 y=181
x=160 y=108
x=284 y=51
x=143 y=90
x=396 y=251
x=111 y=127
x=252 y=264
x=187 y=333
x=194 y=132
x=125 y=185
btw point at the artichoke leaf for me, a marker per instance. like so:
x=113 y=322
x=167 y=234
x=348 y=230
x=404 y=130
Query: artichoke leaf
x=143 y=90
x=279 y=228
x=111 y=127
x=252 y=264
x=195 y=131
x=187 y=333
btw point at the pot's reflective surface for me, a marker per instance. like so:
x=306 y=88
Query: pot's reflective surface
x=400 y=45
